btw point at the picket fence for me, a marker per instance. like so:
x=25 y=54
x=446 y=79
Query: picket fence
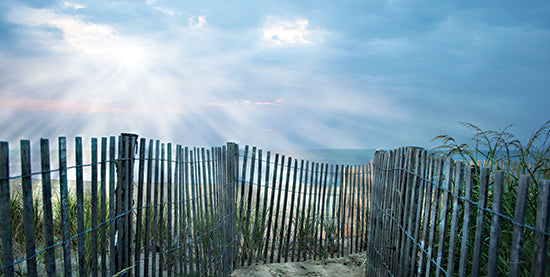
x=434 y=216
x=145 y=208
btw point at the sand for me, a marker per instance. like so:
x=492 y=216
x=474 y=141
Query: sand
x=352 y=265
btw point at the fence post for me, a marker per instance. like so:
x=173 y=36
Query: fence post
x=125 y=176
x=232 y=179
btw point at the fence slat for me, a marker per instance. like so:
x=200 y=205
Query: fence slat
x=241 y=207
x=139 y=207
x=161 y=206
x=459 y=183
x=64 y=194
x=540 y=254
x=47 y=205
x=297 y=220
x=264 y=211
x=305 y=204
x=169 y=193
x=480 y=224
x=278 y=206
x=444 y=215
x=498 y=188
x=80 y=208
x=285 y=201
x=94 y=244
x=290 y=215
x=103 y=216
x=247 y=237
x=255 y=238
x=437 y=191
x=519 y=220
x=333 y=239
x=148 y=200
x=427 y=213
x=5 y=210
x=469 y=185
x=28 y=216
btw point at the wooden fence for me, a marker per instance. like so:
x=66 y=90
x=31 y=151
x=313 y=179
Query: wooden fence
x=294 y=210
x=438 y=217
x=146 y=208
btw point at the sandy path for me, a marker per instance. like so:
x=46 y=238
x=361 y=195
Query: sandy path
x=353 y=265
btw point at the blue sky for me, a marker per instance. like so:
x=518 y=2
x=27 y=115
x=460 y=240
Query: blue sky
x=277 y=74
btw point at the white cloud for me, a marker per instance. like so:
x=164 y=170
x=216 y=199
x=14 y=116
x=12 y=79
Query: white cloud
x=100 y=41
x=73 y=5
x=197 y=21
x=291 y=33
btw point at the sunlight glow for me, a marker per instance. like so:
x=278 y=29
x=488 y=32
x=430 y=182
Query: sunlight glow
x=286 y=33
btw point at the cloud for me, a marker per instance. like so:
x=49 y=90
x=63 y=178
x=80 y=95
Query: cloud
x=197 y=21
x=290 y=33
x=73 y=5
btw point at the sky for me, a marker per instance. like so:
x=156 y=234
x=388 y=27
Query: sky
x=275 y=74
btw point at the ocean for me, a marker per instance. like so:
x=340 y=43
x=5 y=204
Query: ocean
x=331 y=156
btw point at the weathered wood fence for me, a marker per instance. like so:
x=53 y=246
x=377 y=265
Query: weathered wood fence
x=433 y=217
x=161 y=211
x=294 y=210
x=145 y=208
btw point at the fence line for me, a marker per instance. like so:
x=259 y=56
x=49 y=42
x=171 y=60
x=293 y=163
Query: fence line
x=142 y=207
x=433 y=216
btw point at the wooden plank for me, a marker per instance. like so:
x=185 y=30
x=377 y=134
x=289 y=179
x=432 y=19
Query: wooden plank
x=427 y=213
x=469 y=184
x=201 y=174
x=480 y=221
x=437 y=192
x=314 y=214
x=299 y=196
x=139 y=208
x=155 y=209
x=344 y=222
x=273 y=253
x=5 y=210
x=112 y=202
x=519 y=219
x=170 y=212
x=148 y=200
x=272 y=214
x=63 y=191
x=498 y=187
x=103 y=216
x=80 y=208
x=540 y=254
x=161 y=210
x=285 y=201
x=178 y=216
x=94 y=242
x=263 y=230
x=459 y=184
x=334 y=242
x=340 y=212
x=47 y=205
x=301 y=242
x=419 y=182
x=28 y=216
x=361 y=208
x=195 y=207
x=254 y=238
x=241 y=207
x=352 y=211
x=291 y=214
x=406 y=216
x=247 y=237
x=444 y=215
x=188 y=200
